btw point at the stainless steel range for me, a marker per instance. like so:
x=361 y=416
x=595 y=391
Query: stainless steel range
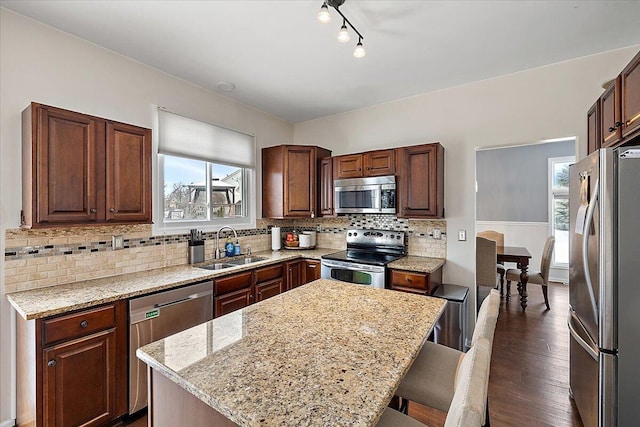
x=365 y=260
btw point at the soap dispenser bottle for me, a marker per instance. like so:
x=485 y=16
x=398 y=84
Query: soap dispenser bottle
x=228 y=247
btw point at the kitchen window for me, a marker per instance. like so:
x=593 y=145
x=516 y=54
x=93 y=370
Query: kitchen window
x=206 y=175
x=559 y=208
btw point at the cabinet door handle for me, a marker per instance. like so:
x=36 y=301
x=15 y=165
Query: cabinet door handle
x=312 y=266
x=92 y=210
x=51 y=363
x=250 y=296
x=112 y=210
x=84 y=324
x=408 y=279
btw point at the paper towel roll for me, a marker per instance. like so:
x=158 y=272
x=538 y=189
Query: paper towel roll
x=276 y=242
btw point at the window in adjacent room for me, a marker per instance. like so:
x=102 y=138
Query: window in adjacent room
x=559 y=208
x=207 y=174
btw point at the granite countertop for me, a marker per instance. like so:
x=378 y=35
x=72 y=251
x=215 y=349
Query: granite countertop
x=326 y=353
x=52 y=300
x=418 y=264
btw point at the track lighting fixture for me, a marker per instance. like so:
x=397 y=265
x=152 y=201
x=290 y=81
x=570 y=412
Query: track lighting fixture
x=343 y=34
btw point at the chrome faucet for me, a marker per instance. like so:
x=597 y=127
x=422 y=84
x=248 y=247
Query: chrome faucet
x=217 y=255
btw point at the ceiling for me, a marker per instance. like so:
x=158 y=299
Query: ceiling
x=284 y=62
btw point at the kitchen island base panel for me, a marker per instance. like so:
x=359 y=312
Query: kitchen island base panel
x=170 y=405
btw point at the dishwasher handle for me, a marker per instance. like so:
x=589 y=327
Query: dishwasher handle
x=153 y=308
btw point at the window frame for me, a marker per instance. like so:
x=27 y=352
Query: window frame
x=553 y=196
x=214 y=223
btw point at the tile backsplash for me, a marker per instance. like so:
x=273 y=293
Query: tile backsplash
x=45 y=257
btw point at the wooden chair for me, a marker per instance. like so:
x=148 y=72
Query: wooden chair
x=537 y=278
x=499 y=239
x=431 y=380
x=468 y=405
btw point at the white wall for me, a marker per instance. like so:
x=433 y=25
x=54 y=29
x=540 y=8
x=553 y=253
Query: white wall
x=38 y=63
x=533 y=105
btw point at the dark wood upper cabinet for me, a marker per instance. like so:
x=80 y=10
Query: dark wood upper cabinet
x=611 y=115
x=349 y=166
x=128 y=188
x=289 y=181
x=594 y=135
x=615 y=117
x=380 y=163
x=420 y=184
x=372 y=163
x=630 y=80
x=325 y=179
x=80 y=170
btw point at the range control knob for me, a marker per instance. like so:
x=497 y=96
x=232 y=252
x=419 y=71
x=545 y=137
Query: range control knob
x=355 y=234
x=349 y=234
x=398 y=236
x=391 y=235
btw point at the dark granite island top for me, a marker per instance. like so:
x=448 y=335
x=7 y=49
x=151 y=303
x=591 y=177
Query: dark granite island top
x=326 y=353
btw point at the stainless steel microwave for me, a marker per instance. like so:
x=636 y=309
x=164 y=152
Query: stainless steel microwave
x=366 y=195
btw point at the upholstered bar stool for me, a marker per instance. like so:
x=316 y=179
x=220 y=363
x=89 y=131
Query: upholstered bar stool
x=468 y=405
x=432 y=377
x=536 y=278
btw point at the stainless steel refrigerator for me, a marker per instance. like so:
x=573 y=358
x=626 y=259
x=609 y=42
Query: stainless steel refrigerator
x=604 y=287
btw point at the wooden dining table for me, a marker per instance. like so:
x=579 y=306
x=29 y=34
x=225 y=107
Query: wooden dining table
x=521 y=256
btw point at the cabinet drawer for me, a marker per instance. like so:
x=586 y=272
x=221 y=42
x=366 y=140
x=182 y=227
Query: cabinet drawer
x=232 y=283
x=269 y=273
x=78 y=324
x=406 y=279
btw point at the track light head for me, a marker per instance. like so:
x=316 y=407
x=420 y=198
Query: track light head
x=359 y=52
x=343 y=34
x=323 y=15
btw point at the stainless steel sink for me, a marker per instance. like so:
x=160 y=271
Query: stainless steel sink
x=233 y=263
x=218 y=266
x=246 y=260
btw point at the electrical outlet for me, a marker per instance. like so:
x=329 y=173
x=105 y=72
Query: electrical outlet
x=462 y=235
x=437 y=233
x=117 y=242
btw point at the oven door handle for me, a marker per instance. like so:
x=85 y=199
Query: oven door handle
x=353 y=266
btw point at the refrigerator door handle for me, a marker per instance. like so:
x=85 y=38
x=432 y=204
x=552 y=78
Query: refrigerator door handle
x=585 y=248
x=579 y=339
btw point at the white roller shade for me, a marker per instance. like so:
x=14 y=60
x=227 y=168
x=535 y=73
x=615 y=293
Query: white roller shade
x=185 y=137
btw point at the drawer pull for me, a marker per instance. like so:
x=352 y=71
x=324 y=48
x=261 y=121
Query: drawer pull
x=51 y=363
x=408 y=279
x=84 y=324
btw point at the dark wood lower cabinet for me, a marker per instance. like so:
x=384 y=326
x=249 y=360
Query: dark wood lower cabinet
x=269 y=289
x=293 y=272
x=233 y=301
x=72 y=369
x=415 y=282
x=311 y=270
x=79 y=378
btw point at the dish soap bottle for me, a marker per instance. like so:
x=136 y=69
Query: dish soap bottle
x=236 y=248
x=228 y=247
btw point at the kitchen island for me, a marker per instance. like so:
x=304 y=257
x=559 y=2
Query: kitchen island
x=326 y=353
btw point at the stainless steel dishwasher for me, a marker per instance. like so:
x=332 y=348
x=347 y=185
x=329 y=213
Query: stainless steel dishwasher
x=157 y=316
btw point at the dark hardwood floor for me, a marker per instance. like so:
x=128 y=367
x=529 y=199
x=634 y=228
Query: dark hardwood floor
x=529 y=379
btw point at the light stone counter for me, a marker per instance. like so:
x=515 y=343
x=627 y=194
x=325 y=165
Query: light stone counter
x=52 y=300
x=418 y=264
x=324 y=354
